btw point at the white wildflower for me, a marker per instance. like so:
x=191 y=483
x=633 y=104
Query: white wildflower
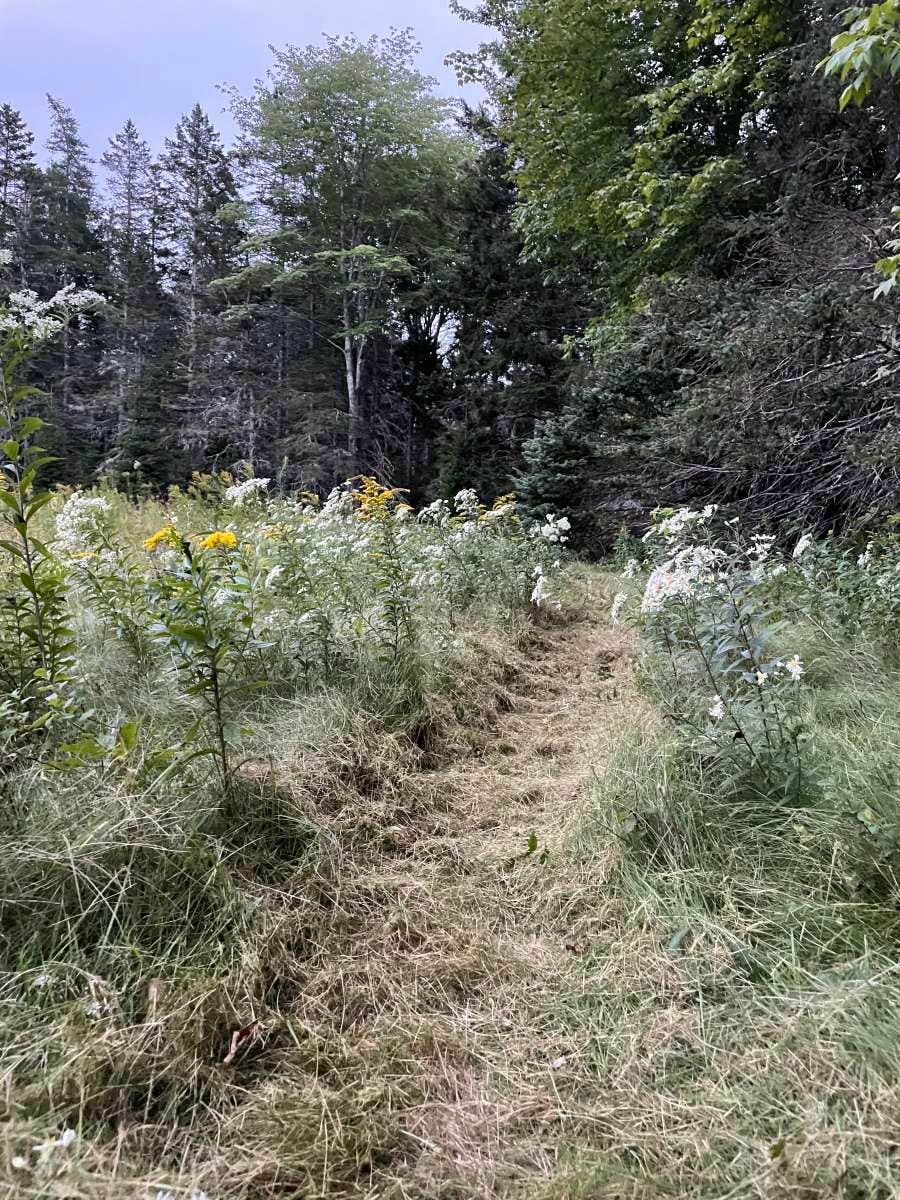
x=630 y=569
x=802 y=545
x=865 y=559
x=66 y=1138
x=553 y=528
x=45 y=979
x=6 y=256
x=95 y=1009
x=618 y=604
x=466 y=502
x=40 y=319
x=435 y=513
x=196 y=1194
x=761 y=677
x=18 y=1163
x=778 y=569
x=680 y=576
x=541 y=587
x=275 y=573
x=794 y=667
x=249 y=489
x=80 y=522
x=717 y=708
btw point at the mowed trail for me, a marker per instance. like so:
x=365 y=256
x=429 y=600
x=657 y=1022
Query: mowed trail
x=485 y=934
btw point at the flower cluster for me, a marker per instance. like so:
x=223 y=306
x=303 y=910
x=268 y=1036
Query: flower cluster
x=680 y=577
x=81 y=522
x=220 y=539
x=377 y=502
x=167 y=535
x=39 y=319
x=553 y=528
x=239 y=494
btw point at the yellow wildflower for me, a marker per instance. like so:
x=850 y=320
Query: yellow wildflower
x=375 y=501
x=221 y=537
x=168 y=535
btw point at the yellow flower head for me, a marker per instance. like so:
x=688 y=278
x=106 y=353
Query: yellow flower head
x=168 y=535
x=222 y=537
x=375 y=501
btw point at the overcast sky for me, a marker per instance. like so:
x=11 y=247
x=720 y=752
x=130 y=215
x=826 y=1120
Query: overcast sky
x=152 y=59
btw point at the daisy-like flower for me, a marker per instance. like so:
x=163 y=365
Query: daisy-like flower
x=19 y=1163
x=717 y=708
x=761 y=677
x=794 y=667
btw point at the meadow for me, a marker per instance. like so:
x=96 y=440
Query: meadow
x=352 y=850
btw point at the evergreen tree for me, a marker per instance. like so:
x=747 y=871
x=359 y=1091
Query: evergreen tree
x=17 y=180
x=199 y=194
x=140 y=322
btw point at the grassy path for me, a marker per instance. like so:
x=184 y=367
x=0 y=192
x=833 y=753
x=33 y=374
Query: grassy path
x=486 y=934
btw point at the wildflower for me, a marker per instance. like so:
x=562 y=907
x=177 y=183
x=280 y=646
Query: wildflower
x=223 y=538
x=44 y=1150
x=466 y=503
x=802 y=545
x=18 y=1163
x=761 y=677
x=778 y=569
x=717 y=708
x=240 y=494
x=45 y=979
x=630 y=569
x=679 y=577
x=794 y=667
x=435 y=513
x=865 y=558
x=554 y=528
x=167 y=535
x=6 y=257
x=95 y=1009
x=374 y=499
x=164 y=1194
x=617 y=605
x=80 y=522
x=136 y=465
x=196 y=1194
x=275 y=573
x=541 y=587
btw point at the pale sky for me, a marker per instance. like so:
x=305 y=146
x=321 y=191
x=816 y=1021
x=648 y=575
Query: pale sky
x=152 y=59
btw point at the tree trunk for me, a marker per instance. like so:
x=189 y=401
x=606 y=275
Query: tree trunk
x=354 y=416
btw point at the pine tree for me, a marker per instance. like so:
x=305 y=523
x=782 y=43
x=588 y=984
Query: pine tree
x=140 y=321
x=199 y=183
x=65 y=248
x=17 y=178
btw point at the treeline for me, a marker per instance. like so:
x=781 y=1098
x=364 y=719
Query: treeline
x=340 y=291
x=647 y=276
x=697 y=154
